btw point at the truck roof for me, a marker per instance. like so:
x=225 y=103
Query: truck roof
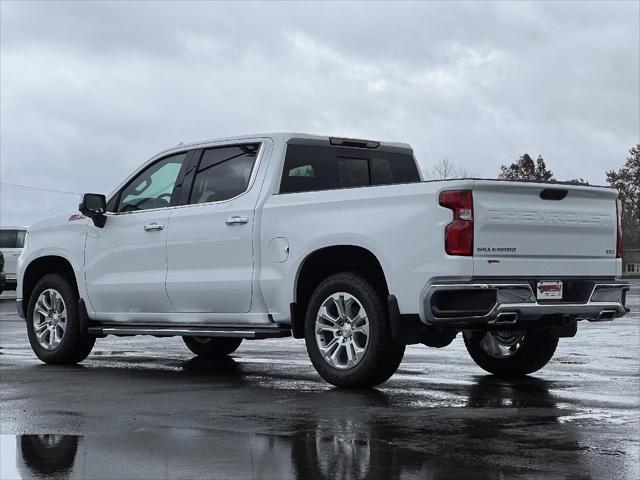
x=286 y=137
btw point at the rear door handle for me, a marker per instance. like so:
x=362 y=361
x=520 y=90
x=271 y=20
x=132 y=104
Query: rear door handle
x=151 y=227
x=236 y=220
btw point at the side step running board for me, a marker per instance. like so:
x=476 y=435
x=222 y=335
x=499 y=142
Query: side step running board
x=165 y=331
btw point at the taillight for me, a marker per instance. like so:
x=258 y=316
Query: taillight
x=458 y=235
x=619 y=242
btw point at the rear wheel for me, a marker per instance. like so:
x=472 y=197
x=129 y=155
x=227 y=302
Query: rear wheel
x=48 y=456
x=511 y=353
x=212 y=347
x=347 y=333
x=53 y=322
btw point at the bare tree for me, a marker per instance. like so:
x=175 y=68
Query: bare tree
x=444 y=168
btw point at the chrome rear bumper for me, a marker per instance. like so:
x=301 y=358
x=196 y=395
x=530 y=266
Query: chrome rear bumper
x=516 y=301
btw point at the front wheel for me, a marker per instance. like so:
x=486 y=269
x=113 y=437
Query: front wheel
x=511 y=353
x=347 y=333
x=212 y=348
x=53 y=322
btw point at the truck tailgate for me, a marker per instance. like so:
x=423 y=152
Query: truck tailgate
x=543 y=230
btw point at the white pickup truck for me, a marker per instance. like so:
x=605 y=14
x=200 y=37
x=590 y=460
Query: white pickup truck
x=337 y=241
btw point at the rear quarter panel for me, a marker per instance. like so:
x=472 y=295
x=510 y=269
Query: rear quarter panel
x=402 y=225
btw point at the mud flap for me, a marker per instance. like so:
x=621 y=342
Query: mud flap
x=405 y=329
x=568 y=330
x=83 y=317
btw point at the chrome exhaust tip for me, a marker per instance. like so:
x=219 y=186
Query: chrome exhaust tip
x=605 y=315
x=505 y=318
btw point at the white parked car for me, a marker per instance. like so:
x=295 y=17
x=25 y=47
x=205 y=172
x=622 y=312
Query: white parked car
x=334 y=240
x=11 y=243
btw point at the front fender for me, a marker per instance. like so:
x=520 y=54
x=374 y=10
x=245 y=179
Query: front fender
x=63 y=237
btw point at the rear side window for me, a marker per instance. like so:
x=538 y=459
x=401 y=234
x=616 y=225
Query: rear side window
x=352 y=172
x=223 y=173
x=308 y=168
x=12 y=238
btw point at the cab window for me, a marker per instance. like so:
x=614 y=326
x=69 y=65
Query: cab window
x=223 y=173
x=312 y=167
x=12 y=238
x=153 y=187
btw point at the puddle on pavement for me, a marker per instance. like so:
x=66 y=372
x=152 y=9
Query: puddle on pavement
x=345 y=435
x=198 y=454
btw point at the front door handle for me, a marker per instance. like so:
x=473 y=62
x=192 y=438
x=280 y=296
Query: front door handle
x=151 y=227
x=236 y=220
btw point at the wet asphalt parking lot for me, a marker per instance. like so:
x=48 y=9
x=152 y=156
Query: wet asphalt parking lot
x=145 y=408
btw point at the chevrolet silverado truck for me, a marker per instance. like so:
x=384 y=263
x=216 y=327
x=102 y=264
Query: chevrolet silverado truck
x=334 y=240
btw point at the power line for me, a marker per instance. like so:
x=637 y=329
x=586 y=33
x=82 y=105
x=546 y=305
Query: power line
x=33 y=209
x=28 y=187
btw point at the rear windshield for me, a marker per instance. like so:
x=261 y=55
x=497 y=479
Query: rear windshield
x=312 y=167
x=12 y=238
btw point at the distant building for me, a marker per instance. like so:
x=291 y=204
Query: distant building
x=631 y=262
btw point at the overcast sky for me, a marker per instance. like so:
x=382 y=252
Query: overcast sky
x=90 y=90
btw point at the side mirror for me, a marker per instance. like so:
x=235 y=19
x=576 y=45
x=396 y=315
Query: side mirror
x=94 y=206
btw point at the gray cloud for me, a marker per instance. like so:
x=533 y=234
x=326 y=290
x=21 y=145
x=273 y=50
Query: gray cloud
x=90 y=90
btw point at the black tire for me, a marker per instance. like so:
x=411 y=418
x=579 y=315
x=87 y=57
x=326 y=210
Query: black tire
x=382 y=356
x=75 y=345
x=212 y=347
x=535 y=351
x=49 y=456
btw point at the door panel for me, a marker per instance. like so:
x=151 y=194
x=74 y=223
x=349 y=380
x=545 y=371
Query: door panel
x=11 y=261
x=210 y=241
x=126 y=261
x=125 y=265
x=210 y=263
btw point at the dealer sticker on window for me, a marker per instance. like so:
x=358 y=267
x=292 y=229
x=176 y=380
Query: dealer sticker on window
x=549 y=290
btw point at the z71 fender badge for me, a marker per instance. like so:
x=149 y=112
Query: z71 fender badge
x=75 y=216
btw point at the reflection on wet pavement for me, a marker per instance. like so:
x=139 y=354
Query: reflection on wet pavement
x=146 y=408
x=347 y=434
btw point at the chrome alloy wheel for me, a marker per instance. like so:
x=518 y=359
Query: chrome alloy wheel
x=50 y=319
x=343 y=450
x=502 y=343
x=342 y=330
x=50 y=440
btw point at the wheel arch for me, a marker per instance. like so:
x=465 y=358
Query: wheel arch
x=325 y=261
x=42 y=266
